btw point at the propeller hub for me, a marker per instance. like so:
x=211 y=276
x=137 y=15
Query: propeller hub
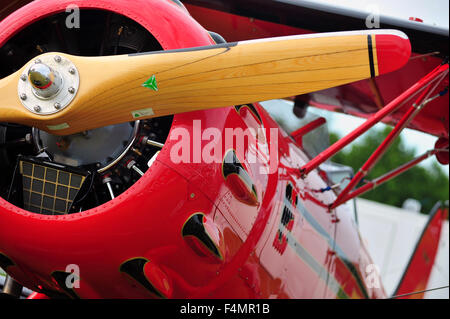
x=48 y=85
x=45 y=81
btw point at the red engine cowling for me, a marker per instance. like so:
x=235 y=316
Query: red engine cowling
x=166 y=20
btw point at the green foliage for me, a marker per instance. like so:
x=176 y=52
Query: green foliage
x=426 y=184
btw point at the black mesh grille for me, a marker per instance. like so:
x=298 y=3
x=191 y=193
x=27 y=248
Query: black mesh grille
x=48 y=190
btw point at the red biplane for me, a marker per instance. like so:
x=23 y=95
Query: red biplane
x=137 y=163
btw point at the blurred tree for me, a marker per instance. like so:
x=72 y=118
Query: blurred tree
x=425 y=184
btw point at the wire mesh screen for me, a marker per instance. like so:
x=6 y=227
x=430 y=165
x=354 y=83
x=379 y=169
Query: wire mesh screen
x=48 y=190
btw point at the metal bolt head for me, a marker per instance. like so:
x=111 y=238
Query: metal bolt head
x=57 y=105
x=37 y=108
x=71 y=90
x=37 y=61
x=57 y=58
x=130 y=164
x=107 y=179
x=72 y=70
x=23 y=77
x=23 y=96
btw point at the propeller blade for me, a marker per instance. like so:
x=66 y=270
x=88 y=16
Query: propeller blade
x=11 y=110
x=125 y=88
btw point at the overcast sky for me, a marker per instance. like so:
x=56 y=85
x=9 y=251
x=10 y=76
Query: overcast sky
x=432 y=12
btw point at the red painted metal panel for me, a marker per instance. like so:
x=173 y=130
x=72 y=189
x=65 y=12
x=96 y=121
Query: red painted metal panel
x=417 y=273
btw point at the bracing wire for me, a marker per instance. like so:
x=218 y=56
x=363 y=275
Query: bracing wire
x=418 y=292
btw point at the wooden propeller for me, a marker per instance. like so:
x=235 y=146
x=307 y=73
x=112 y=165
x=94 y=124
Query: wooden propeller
x=124 y=88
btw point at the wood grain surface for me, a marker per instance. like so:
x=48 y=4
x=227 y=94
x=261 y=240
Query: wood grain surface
x=111 y=88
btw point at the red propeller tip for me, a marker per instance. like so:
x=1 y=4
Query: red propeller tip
x=393 y=51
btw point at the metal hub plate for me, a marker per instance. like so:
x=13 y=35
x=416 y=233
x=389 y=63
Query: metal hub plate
x=58 y=102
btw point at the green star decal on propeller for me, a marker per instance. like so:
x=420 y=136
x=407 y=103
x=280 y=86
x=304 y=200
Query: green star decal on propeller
x=151 y=83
